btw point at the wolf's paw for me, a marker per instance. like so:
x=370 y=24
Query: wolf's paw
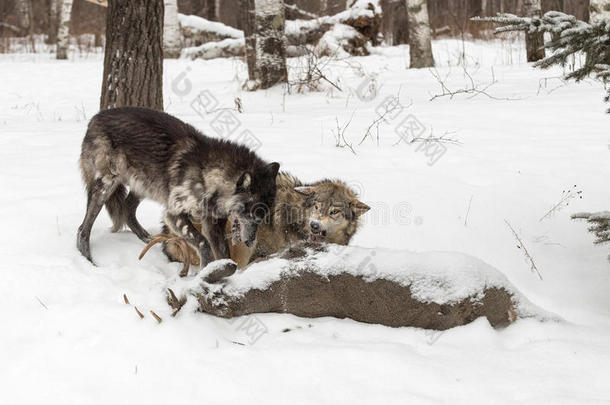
x=221 y=270
x=82 y=244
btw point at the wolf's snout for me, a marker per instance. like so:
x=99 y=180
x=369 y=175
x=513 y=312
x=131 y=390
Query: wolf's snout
x=317 y=228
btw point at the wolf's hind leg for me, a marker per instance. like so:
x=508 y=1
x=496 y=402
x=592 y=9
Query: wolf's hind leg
x=132 y=201
x=180 y=224
x=97 y=194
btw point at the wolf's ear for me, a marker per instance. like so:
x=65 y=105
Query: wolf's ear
x=243 y=183
x=273 y=168
x=358 y=207
x=305 y=190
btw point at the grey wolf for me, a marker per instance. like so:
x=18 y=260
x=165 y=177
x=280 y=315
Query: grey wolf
x=324 y=211
x=195 y=178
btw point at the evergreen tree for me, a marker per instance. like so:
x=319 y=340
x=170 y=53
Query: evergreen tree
x=570 y=36
x=600 y=225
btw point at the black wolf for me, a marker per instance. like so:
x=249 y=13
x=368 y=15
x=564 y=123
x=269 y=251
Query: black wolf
x=324 y=211
x=196 y=178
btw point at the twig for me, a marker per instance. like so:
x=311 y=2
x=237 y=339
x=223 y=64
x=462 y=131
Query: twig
x=340 y=136
x=126 y=299
x=520 y=245
x=473 y=89
x=565 y=199
x=140 y=314
x=41 y=303
x=468 y=211
x=376 y=122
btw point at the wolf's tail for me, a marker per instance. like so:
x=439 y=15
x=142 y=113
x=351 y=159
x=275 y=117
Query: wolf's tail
x=117 y=208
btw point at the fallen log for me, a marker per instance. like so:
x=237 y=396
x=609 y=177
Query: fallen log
x=392 y=288
x=347 y=32
x=197 y=31
x=364 y=17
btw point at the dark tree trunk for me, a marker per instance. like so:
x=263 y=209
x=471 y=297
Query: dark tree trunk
x=133 y=60
x=211 y=13
x=53 y=25
x=394 y=22
x=533 y=42
x=246 y=8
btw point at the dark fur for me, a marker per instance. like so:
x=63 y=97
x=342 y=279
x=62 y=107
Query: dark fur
x=193 y=176
x=330 y=204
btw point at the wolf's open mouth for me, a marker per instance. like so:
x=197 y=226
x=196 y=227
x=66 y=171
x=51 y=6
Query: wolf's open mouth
x=316 y=236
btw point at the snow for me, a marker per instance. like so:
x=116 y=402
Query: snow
x=201 y=24
x=69 y=337
x=334 y=40
x=358 y=9
x=439 y=277
x=212 y=50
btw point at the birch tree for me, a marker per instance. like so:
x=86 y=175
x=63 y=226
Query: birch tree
x=133 y=58
x=172 y=39
x=269 y=54
x=599 y=10
x=63 y=32
x=534 y=41
x=420 y=46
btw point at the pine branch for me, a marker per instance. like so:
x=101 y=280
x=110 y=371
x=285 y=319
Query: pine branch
x=600 y=224
x=569 y=36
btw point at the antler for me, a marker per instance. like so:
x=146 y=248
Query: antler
x=179 y=241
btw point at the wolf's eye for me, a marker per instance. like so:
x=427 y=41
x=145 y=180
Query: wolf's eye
x=335 y=211
x=317 y=206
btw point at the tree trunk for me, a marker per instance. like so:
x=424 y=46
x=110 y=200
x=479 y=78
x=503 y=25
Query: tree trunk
x=270 y=43
x=599 y=10
x=63 y=33
x=247 y=21
x=533 y=42
x=172 y=38
x=23 y=9
x=133 y=59
x=54 y=9
x=420 y=47
x=394 y=22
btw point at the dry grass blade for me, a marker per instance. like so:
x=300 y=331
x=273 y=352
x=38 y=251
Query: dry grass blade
x=527 y=254
x=157 y=317
x=140 y=314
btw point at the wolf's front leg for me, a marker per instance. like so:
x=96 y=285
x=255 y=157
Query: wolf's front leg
x=181 y=225
x=214 y=228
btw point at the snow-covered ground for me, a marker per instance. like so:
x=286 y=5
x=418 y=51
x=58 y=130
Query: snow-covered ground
x=67 y=336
